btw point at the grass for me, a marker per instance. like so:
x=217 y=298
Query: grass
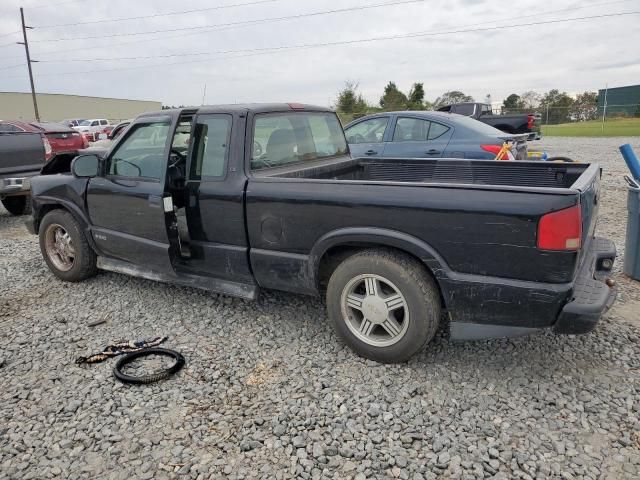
x=613 y=127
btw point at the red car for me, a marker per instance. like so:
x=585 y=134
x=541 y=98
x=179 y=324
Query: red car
x=57 y=138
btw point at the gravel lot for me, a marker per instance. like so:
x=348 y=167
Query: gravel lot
x=269 y=392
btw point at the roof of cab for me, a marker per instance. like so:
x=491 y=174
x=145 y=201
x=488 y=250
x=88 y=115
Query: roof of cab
x=243 y=107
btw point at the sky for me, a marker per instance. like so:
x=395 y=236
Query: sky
x=242 y=54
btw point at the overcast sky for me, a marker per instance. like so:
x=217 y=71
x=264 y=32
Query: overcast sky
x=571 y=56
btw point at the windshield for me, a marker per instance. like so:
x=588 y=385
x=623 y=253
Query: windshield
x=84 y=123
x=283 y=138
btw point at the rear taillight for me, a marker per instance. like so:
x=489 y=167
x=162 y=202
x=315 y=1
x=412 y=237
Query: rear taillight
x=495 y=149
x=531 y=119
x=47 y=148
x=561 y=230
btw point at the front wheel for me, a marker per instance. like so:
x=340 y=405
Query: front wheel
x=383 y=304
x=16 y=205
x=65 y=248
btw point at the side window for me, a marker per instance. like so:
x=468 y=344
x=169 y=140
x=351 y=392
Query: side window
x=95 y=123
x=211 y=147
x=411 y=130
x=465 y=109
x=437 y=130
x=141 y=153
x=8 y=127
x=368 y=131
x=104 y=122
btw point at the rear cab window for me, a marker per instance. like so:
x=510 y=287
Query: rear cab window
x=281 y=139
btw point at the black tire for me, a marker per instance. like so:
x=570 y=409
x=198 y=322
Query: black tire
x=153 y=377
x=84 y=261
x=17 y=205
x=410 y=279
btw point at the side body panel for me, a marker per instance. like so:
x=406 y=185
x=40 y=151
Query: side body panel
x=20 y=153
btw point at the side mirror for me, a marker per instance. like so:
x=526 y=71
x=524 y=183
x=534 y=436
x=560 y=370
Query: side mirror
x=85 y=166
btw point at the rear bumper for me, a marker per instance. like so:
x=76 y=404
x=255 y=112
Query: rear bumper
x=488 y=307
x=591 y=294
x=15 y=186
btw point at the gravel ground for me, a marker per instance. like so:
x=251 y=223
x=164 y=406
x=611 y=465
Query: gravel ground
x=269 y=392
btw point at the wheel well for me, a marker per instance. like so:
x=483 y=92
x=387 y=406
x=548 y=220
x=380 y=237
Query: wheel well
x=43 y=210
x=337 y=254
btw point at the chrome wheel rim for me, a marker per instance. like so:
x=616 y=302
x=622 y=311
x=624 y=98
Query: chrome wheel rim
x=59 y=247
x=375 y=310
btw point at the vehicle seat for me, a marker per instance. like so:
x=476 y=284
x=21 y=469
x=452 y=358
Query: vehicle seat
x=280 y=146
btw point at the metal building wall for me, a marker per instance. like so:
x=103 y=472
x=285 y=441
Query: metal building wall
x=620 y=100
x=56 y=107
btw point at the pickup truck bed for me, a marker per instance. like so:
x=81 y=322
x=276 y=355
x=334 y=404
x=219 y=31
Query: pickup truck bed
x=444 y=171
x=504 y=248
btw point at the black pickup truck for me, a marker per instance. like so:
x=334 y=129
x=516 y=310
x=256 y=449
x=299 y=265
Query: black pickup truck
x=22 y=155
x=241 y=197
x=528 y=123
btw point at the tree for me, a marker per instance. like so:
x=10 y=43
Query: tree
x=556 y=107
x=530 y=100
x=449 y=98
x=350 y=101
x=393 y=99
x=585 y=106
x=416 y=97
x=512 y=102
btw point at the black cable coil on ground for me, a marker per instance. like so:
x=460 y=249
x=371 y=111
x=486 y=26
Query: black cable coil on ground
x=152 y=377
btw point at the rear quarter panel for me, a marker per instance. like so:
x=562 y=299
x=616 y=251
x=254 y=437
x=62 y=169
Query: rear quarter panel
x=474 y=231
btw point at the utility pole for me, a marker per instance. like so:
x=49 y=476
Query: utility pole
x=204 y=94
x=29 y=61
x=604 y=107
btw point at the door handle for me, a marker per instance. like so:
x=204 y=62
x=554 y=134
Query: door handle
x=370 y=152
x=433 y=151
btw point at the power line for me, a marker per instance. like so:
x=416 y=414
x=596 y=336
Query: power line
x=183 y=12
x=8 y=67
x=268 y=50
x=509 y=18
x=10 y=33
x=238 y=23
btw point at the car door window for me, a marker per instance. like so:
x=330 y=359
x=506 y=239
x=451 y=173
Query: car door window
x=465 y=109
x=437 y=130
x=94 y=123
x=411 y=130
x=211 y=147
x=104 y=122
x=367 y=131
x=8 y=127
x=141 y=153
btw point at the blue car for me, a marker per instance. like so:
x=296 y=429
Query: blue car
x=422 y=134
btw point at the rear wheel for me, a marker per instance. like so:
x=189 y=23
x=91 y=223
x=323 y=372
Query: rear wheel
x=65 y=248
x=17 y=205
x=383 y=304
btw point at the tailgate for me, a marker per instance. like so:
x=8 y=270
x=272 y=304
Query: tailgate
x=588 y=184
x=20 y=152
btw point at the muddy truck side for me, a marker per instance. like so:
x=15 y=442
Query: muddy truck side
x=22 y=155
x=237 y=198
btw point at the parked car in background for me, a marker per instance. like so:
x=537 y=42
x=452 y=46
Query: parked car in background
x=115 y=132
x=58 y=138
x=93 y=127
x=22 y=155
x=422 y=134
x=72 y=122
x=528 y=123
